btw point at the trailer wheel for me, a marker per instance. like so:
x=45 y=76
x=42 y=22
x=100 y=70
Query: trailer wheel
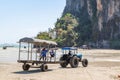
x=84 y=62
x=44 y=67
x=64 y=64
x=26 y=67
x=74 y=62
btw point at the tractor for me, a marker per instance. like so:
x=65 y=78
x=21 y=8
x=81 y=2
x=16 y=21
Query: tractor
x=71 y=56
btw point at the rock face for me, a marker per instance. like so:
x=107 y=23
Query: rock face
x=104 y=16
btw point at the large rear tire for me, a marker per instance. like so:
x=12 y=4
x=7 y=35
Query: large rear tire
x=84 y=62
x=64 y=64
x=26 y=67
x=74 y=62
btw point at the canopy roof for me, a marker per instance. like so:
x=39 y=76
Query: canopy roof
x=69 y=48
x=37 y=41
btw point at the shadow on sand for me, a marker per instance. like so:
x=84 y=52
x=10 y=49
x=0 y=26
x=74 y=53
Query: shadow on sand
x=70 y=67
x=31 y=71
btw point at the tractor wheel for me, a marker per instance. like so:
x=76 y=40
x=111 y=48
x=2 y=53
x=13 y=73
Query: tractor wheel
x=26 y=67
x=85 y=62
x=44 y=67
x=74 y=62
x=64 y=64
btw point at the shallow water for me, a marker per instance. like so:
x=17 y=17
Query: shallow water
x=11 y=55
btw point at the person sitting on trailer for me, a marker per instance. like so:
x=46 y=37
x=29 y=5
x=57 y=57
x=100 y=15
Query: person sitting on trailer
x=52 y=54
x=43 y=54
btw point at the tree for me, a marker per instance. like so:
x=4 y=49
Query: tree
x=43 y=35
x=64 y=26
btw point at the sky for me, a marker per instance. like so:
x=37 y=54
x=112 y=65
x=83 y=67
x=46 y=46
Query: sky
x=26 y=18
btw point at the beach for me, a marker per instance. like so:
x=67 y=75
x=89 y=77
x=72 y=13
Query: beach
x=104 y=64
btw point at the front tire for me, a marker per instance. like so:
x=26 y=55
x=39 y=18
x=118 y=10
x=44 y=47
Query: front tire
x=84 y=62
x=74 y=62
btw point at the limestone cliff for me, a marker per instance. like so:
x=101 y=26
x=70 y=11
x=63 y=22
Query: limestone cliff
x=103 y=17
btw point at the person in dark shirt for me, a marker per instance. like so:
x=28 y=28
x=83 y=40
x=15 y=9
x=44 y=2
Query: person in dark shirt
x=52 y=54
x=43 y=54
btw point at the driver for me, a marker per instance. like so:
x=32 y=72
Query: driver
x=70 y=53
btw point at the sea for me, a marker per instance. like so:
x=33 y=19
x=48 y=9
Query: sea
x=10 y=55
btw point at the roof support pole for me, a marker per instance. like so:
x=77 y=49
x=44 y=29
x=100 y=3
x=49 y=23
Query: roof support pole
x=31 y=50
x=40 y=52
x=55 y=53
x=19 y=51
x=36 y=53
x=28 y=51
x=40 y=48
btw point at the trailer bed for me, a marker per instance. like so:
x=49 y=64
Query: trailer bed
x=39 y=62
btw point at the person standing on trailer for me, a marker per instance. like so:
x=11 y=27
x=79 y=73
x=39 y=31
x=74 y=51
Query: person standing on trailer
x=43 y=54
x=52 y=54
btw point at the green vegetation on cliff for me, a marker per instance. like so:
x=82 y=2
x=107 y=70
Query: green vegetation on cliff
x=43 y=35
x=66 y=35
